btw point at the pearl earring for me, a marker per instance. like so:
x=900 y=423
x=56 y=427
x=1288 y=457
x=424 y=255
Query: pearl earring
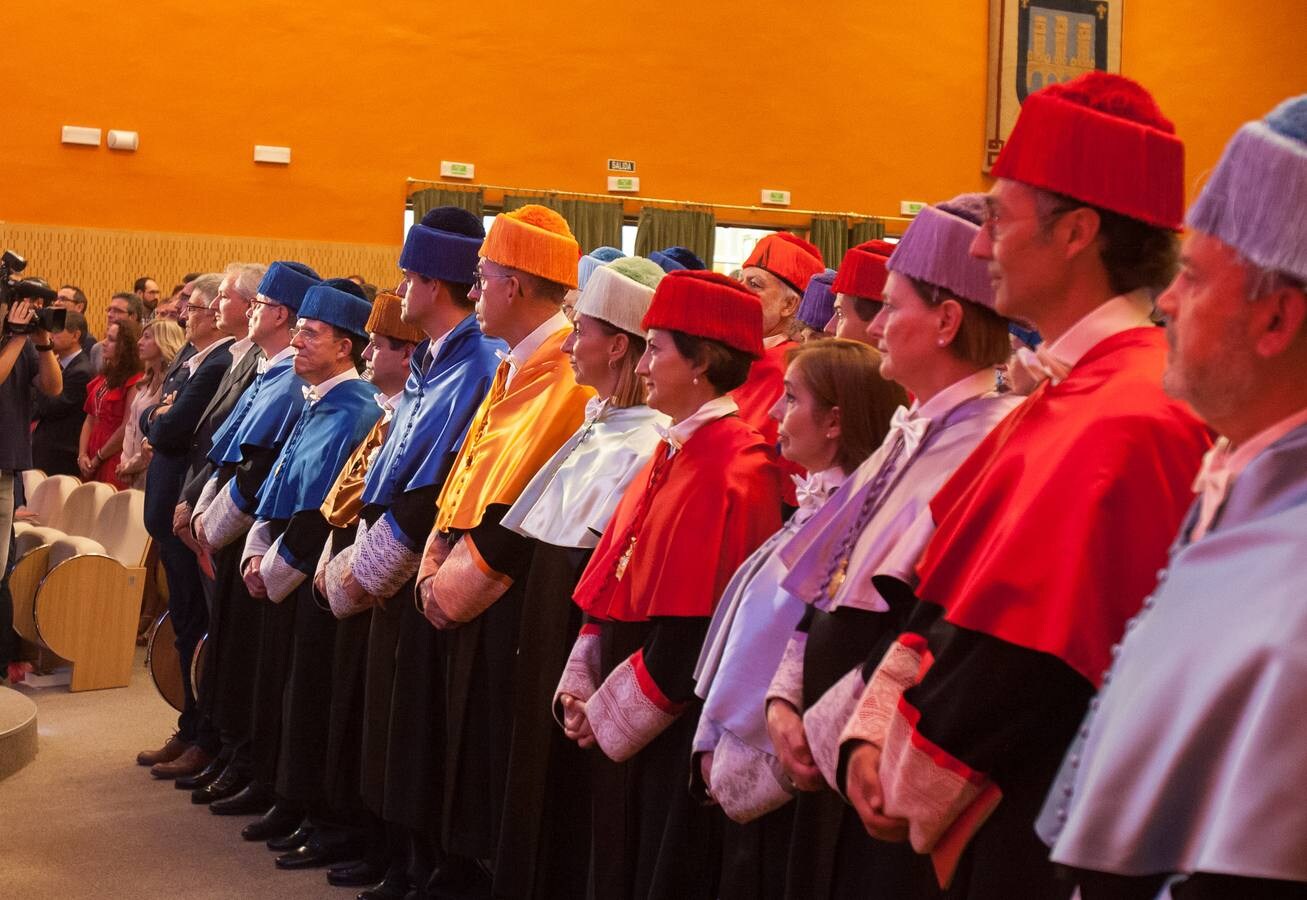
x=696 y=379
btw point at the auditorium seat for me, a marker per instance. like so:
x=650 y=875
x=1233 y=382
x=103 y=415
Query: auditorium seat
x=76 y=516
x=79 y=596
x=44 y=502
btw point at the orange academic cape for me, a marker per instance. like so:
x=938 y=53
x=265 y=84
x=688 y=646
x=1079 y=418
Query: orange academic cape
x=512 y=436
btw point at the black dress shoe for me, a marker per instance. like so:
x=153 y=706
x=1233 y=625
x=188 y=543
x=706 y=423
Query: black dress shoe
x=253 y=800
x=297 y=838
x=355 y=874
x=458 y=878
x=317 y=853
x=277 y=822
x=393 y=887
x=230 y=783
x=202 y=777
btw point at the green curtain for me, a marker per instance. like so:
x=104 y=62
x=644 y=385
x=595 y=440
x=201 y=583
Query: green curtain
x=831 y=237
x=662 y=228
x=595 y=223
x=866 y=230
x=429 y=198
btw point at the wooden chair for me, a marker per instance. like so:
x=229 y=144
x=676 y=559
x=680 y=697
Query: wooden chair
x=45 y=501
x=76 y=516
x=31 y=478
x=79 y=597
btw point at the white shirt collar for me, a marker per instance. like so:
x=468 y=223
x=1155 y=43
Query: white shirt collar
x=1132 y=310
x=269 y=361
x=774 y=341
x=200 y=355
x=65 y=360
x=717 y=408
x=518 y=356
x=316 y=392
x=974 y=385
x=240 y=348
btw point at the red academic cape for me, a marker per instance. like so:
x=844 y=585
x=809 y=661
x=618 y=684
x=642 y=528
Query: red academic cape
x=1049 y=536
x=757 y=396
x=716 y=503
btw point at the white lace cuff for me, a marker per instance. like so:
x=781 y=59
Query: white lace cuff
x=824 y=721
x=382 y=562
x=787 y=683
x=629 y=711
x=224 y=520
x=280 y=578
x=581 y=674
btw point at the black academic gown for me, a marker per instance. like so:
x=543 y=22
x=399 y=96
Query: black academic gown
x=545 y=833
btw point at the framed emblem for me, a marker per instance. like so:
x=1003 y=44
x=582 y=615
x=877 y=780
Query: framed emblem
x=1034 y=43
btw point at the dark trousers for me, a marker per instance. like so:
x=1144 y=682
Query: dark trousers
x=186 y=605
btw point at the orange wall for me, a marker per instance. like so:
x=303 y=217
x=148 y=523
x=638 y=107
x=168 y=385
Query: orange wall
x=848 y=104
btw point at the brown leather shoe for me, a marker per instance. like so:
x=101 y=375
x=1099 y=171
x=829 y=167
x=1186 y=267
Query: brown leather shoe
x=190 y=762
x=174 y=748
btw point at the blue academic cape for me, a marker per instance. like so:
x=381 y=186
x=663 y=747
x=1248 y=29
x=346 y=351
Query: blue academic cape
x=264 y=416
x=440 y=399
x=323 y=438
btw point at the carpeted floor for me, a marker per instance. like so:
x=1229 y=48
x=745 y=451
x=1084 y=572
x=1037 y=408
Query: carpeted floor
x=84 y=821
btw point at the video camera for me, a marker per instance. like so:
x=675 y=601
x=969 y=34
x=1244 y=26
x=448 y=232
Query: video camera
x=11 y=291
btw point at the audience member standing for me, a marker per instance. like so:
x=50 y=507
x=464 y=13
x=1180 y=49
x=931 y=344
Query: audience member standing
x=121 y=306
x=73 y=299
x=58 y=421
x=108 y=397
x=161 y=341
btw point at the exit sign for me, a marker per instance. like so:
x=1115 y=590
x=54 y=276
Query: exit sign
x=626 y=184
x=456 y=169
x=621 y=165
x=776 y=198
x=911 y=207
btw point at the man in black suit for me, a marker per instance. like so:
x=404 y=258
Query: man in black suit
x=171 y=433
x=72 y=298
x=58 y=420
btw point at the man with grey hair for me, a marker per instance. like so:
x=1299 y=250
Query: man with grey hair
x=171 y=433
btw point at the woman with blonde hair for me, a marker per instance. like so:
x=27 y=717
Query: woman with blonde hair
x=160 y=343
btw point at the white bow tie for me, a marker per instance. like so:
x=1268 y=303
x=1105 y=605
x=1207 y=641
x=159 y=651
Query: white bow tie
x=811 y=491
x=1041 y=364
x=310 y=393
x=508 y=358
x=912 y=427
x=1211 y=486
x=665 y=433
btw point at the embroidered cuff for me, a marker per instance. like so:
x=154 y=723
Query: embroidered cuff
x=280 y=576
x=928 y=786
x=434 y=555
x=824 y=721
x=224 y=520
x=336 y=575
x=746 y=782
x=707 y=735
x=383 y=563
x=207 y=496
x=257 y=541
x=896 y=673
x=465 y=586
x=787 y=683
x=581 y=674
x=629 y=711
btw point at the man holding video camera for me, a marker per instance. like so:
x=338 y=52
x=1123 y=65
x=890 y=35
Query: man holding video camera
x=27 y=360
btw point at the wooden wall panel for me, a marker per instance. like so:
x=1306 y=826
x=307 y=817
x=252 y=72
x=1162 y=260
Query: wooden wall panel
x=102 y=261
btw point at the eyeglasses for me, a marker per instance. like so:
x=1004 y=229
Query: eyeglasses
x=197 y=307
x=480 y=278
x=257 y=302
x=1044 y=217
